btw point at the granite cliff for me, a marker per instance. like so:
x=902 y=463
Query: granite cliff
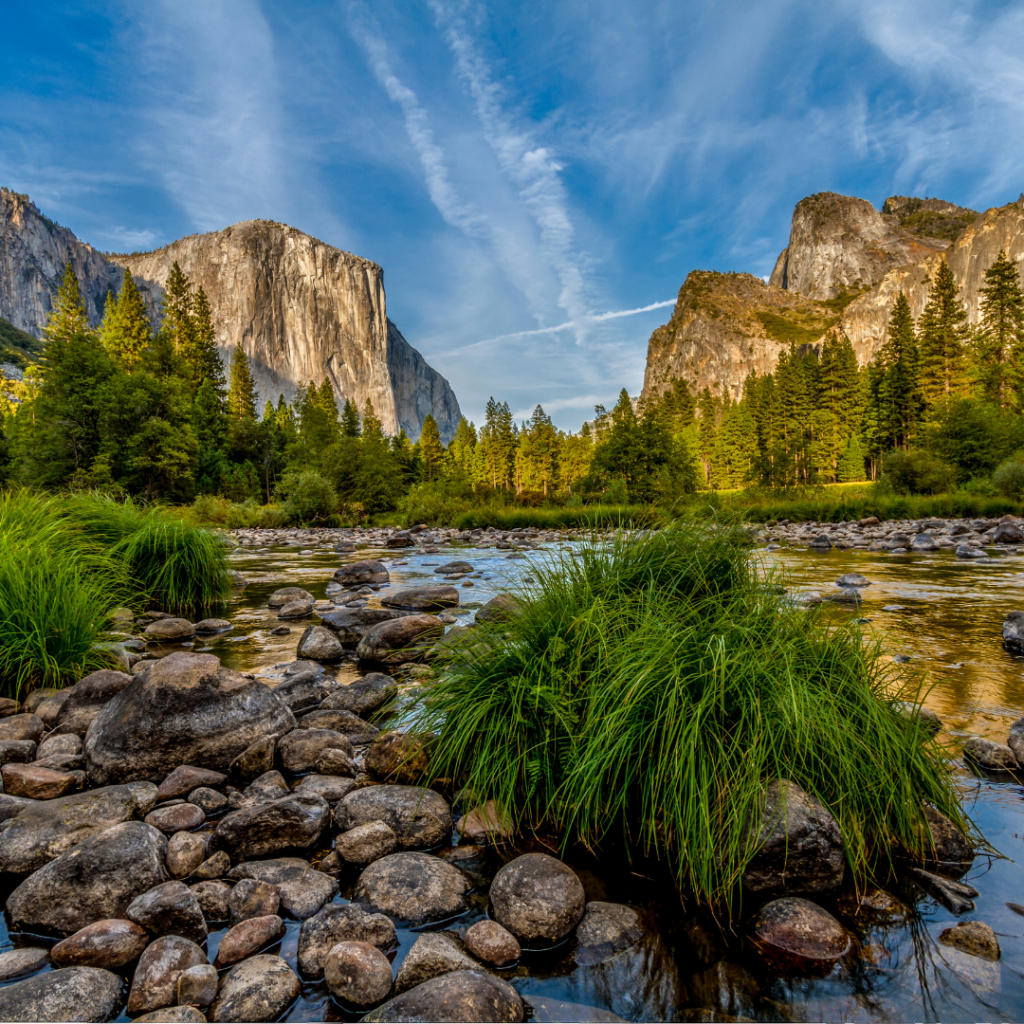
x=301 y=309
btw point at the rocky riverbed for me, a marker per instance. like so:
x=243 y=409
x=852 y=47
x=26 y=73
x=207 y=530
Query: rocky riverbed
x=221 y=832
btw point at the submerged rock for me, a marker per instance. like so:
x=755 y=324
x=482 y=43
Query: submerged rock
x=458 y=996
x=71 y=994
x=537 y=898
x=606 y=929
x=798 y=928
x=974 y=937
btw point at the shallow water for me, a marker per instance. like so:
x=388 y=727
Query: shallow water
x=950 y=627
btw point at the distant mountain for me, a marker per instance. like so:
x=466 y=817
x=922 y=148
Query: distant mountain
x=301 y=309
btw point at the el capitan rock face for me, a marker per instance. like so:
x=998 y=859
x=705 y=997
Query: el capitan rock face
x=301 y=309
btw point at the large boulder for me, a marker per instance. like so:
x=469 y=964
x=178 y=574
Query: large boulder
x=320 y=644
x=500 y=608
x=799 y=845
x=74 y=993
x=259 y=829
x=419 y=818
x=455 y=997
x=45 y=830
x=340 y=923
x=357 y=573
x=286 y=595
x=414 y=888
x=538 y=899
x=400 y=640
x=423 y=599
x=87 y=697
x=304 y=690
x=258 y=989
x=351 y=624
x=1008 y=533
x=96 y=879
x=184 y=709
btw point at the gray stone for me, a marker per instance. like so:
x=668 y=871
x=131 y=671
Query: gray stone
x=17 y=751
x=268 y=787
x=606 y=929
x=951 y=851
x=18 y=962
x=344 y=722
x=455 y=997
x=368 y=571
x=185 y=778
x=84 y=700
x=252 y=897
x=255 y=831
x=255 y=760
x=66 y=743
x=423 y=599
x=796 y=927
x=213 y=897
x=419 y=817
x=286 y=595
x=500 y=608
x=169 y=631
x=108 y=944
x=799 y=845
x=208 y=627
x=169 y=909
x=352 y=623
x=358 y=973
x=319 y=643
x=162 y=963
x=185 y=852
x=215 y=866
x=364 y=696
x=366 y=843
x=432 y=954
x=924 y=542
x=12 y=806
x=71 y=994
x=304 y=690
x=415 y=888
x=1013 y=632
x=176 y=818
x=1008 y=533
x=198 y=985
x=183 y=709
x=400 y=640
x=335 y=762
x=994 y=757
x=96 y=879
x=336 y=923
x=853 y=579
x=537 y=898
x=247 y=937
x=258 y=989
x=973 y=937
x=209 y=801
x=400 y=757
x=301 y=747
x=492 y=944
x=303 y=890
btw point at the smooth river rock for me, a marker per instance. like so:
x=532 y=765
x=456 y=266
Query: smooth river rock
x=169 y=909
x=258 y=989
x=423 y=599
x=419 y=818
x=364 y=696
x=248 y=937
x=400 y=640
x=302 y=889
x=538 y=899
x=109 y=944
x=461 y=996
x=356 y=573
x=414 y=888
x=994 y=757
x=432 y=954
x=260 y=829
x=71 y=994
x=155 y=983
x=795 y=927
x=336 y=923
x=320 y=644
x=358 y=974
x=490 y=942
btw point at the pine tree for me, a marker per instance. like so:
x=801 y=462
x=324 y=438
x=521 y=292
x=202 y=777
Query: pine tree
x=897 y=390
x=1001 y=340
x=68 y=317
x=372 y=428
x=851 y=465
x=242 y=395
x=462 y=450
x=350 y=420
x=207 y=364
x=133 y=334
x=943 y=341
x=177 y=325
x=431 y=450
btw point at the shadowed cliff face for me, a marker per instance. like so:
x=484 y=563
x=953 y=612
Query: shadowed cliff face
x=301 y=310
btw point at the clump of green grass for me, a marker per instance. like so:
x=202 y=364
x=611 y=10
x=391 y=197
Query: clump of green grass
x=652 y=690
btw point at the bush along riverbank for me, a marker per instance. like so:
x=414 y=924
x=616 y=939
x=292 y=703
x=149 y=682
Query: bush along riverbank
x=207 y=846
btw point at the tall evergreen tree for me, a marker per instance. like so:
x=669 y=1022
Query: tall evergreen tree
x=242 y=394
x=350 y=419
x=431 y=450
x=1001 y=339
x=372 y=429
x=68 y=317
x=177 y=325
x=897 y=392
x=943 y=340
x=205 y=362
x=462 y=450
x=125 y=331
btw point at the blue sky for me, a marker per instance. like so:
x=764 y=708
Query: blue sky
x=520 y=170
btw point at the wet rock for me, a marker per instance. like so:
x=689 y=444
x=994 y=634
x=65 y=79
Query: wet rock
x=486 y=824
x=356 y=573
x=969 y=551
x=822 y=542
x=331 y=787
x=432 y=954
x=974 y=937
x=109 y=944
x=1013 y=632
x=19 y=962
x=453 y=568
x=853 y=579
x=183 y=709
x=366 y=843
x=537 y=898
x=418 y=817
x=344 y=722
x=65 y=743
x=185 y=778
x=303 y=691
x=340 y=923
x=36 y=783
x=22 y=727
x=212 y=897
x=252 y=897
x=269 y=786
x=248 y=937
x=176 y=818
x=364 y=696
x=458 y=996
x=96 y=879
x=931 y=721
x=994 y=757
x=169 y=631
x=208 y=627
x=319 y=643
x=335 y=762
x=185 y=852
x=169 y=909
x=606 y=929
x=955 y=896
x=172 y=1015
x=215 y=866
x=255 y=760
x=412 y=887
x=296 y=610
x=286 y=595
x=400 y=757
x=399 y=540
x=423 y=599
x=798 y=928
x=500 y=608
x=162 y=963
x=258 y=830
x=1015 y=741
x=198 y=985
x=924 y=542
x=71 y=994
x=799 y=845
x=301 y=747
x=353 y=622
x=209 y=801
x=1008 y=533
x=17 y=751
x=951 y=849
x=400 y=640
x=86 y=697
x=258 y=989
x=302 y=889
x=492 y=944
x=358 y=973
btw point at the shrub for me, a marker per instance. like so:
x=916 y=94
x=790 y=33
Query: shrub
x=916 y=472
x=433 y=504
x=652 y=691
x=211 y=508
x=1008 y=479
x=306 y=496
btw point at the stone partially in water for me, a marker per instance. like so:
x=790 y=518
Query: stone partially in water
x=418 y=817
x=258 y=989
x=974 y=937
x=248 y=937
x=366 y=843
x=363 y=696
x=358 y=973
x=606 y=929
x=432 y=954
x=458 y=996
x=799 y=845
x=18 y=962
x=400 y=640
x=423 y=599
x=303 y=890
x=492 y=944
x=414 y=888
x=400 y=757
x=198 y=985
x=340 y=923
x=994 y=757
x=950 y=850
x=798 y=928
x=285 y=595
x=71 y=994
x=356 y=573
x=260 y=829
x=320 y=644
x=108 y=944
x=1013 y=632
x=169 y=631
x=853 y=579
x=169 y=909
x=538 y=899
x=928 y=718
x=155 y=983
x=252 y=897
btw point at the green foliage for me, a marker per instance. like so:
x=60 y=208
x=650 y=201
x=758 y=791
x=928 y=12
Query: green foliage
x=1000 y=344
x=917 y=472
x=919 y=220
x=791 y=331
x=125 y=331
x=974 y=435
x=67 y=318
x=650 y=693
x=1008 y=478
x=18 y=347
x=943 y=341
x=306 y=496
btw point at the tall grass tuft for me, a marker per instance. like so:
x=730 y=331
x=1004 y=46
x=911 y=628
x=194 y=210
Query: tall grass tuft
x=169 y=561
x=653 y=689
